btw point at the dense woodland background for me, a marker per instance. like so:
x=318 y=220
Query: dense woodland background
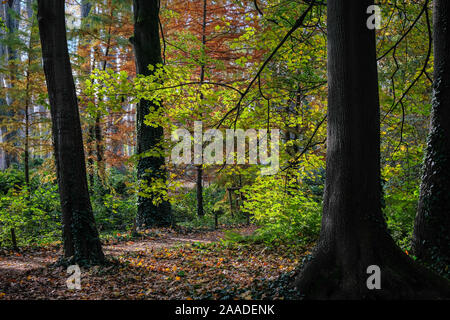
x=141 y=69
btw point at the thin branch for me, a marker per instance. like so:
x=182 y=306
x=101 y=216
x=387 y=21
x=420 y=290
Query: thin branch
x=425 y=8
x=309 y=145
x=424 y=68
x=296 y=25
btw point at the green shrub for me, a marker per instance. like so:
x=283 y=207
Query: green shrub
x=34 y=215
x=11 y=178
x=401 y=196
x=114 y=202
x=287 y=208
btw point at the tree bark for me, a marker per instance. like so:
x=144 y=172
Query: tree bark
x=199 y=188
x=26 y=158
x=10 y=52
x=199 y=183
x=27 y=153
x=86 y=7
x=80 y=235
x=431 y=240
x=147 y=49
x=99 y=147
x=354 y=235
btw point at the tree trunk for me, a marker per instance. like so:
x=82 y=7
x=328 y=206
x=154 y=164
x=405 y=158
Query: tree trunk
x=3 y=128
x=86 y=7
x=354 y=235
x=431 y=241
x=99 y=147
x=26 y=158
x=147 y=49
x=80 y=235
x=99 y=137
x=199 y=185
x=10 y=52
x=90 y=157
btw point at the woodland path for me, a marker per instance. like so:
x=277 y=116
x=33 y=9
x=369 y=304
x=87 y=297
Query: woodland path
x=163 y=264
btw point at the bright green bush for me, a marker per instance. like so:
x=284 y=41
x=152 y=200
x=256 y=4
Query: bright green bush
x=34 y=215
x=401 y=196
x=11 y=178
x=400 y=212
x=287 y=208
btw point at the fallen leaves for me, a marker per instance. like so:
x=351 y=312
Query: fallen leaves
x=163 y=268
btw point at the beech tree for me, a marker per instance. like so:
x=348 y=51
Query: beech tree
x=150 y=168
x=354 y=235
x=80 y=235
x=431 y=241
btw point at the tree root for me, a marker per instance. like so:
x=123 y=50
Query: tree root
x=327 y=276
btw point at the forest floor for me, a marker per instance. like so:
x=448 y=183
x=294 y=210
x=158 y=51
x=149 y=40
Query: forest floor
x=161 y=264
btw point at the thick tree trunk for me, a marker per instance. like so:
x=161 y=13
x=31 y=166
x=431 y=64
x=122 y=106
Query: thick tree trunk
x=354 y=235
x=147 y=48
x=80 y=235
x=431 y=241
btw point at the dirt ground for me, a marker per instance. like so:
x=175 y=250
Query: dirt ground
x=162 y=264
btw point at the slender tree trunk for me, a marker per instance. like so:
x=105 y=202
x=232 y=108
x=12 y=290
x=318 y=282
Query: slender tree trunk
x=29 y=8
x=80 y=235
x=147 y=49
x=99 y=147
x=230 y=201
x=10 y=53
x=3 y=128
x=354 y=235
x=13 y=26
x=431 y=241
x=90 y=160
x=199 y=185
x=86 y=7
x=99 y=137
x=26 y=159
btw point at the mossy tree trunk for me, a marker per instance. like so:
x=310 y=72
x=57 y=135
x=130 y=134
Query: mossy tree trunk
x=80 y=235
x=147 y=48
x=431 y=240
x=354 y=235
